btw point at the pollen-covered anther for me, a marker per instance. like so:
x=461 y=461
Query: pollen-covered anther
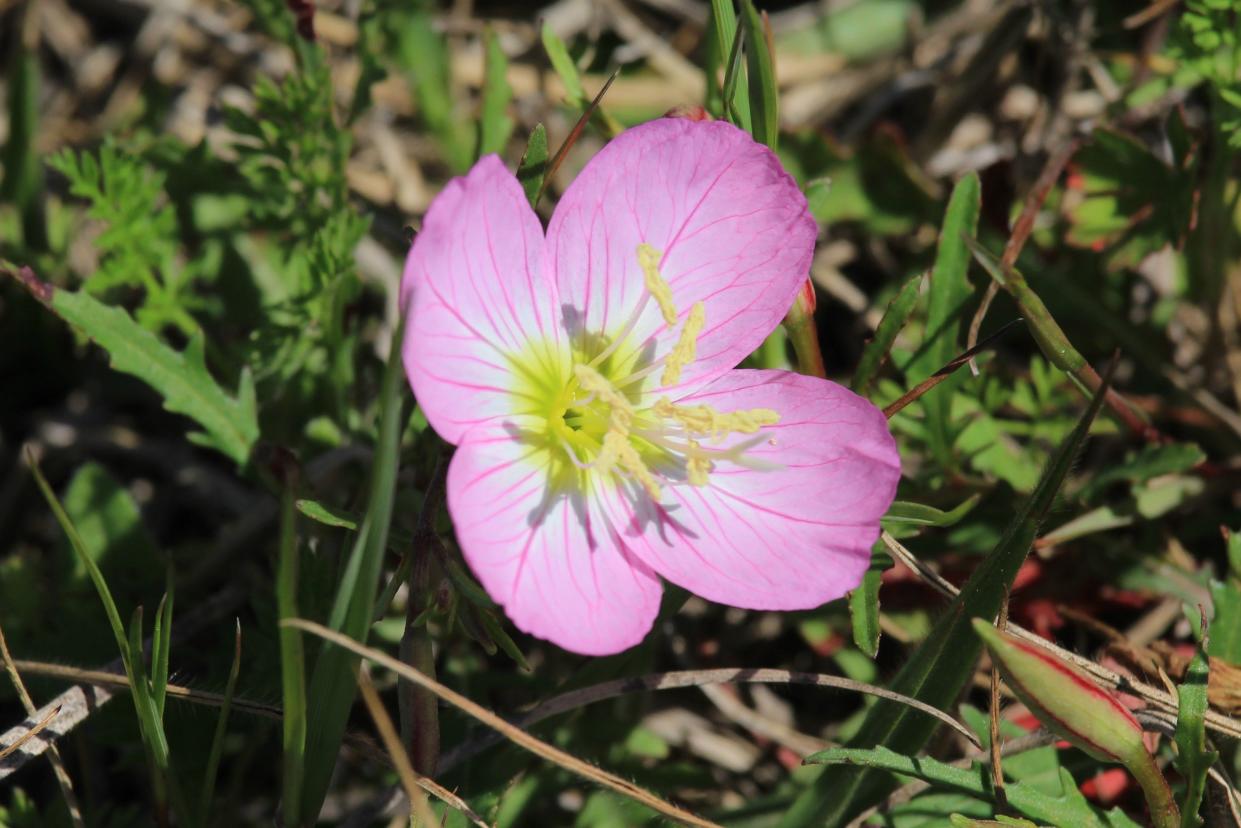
x=697 y=467
x=705 y=420
x=648 y=260
x=686 y=349
x=591 y=380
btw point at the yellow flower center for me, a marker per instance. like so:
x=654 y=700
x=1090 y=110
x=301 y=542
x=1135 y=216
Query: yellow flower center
x=597 y=422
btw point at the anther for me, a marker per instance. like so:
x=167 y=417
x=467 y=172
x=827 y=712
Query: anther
x=648 y=260
x=686 y=349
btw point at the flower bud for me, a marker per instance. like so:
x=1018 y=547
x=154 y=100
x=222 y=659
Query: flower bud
x=1072 y=706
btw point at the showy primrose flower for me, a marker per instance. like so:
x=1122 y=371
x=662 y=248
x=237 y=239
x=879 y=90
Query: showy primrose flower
x=587 y=377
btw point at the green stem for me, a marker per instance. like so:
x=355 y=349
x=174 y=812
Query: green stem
x=804 y=335
x=1163 y=810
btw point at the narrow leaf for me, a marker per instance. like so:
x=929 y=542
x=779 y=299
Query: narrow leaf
x=292 y=662
x=564 y=66
x=760 y=65
x=902 y=511
x=495 y=126
x=1194 y=755
x=221 y=728
x=333 y=684
x=864 y=604
x=947 y=297
x=893 y=321
x=533 y=164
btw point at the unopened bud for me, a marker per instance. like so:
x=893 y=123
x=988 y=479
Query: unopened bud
x=1072 y=706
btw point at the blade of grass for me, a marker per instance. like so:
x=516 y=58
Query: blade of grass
x=948 y=294
x=495 y=125
x=732 y=71
x=565 y=67
x=724 y=33
x=894 y=319
x=333 y=685
x=221 y=728
x=292 y=660
x=161 y=646
x=761 y=71
x=944 y=662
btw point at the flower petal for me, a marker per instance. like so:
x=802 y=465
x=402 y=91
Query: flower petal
x=547 y=554
x=792 y=537
x=732 y=225
x=478 y=296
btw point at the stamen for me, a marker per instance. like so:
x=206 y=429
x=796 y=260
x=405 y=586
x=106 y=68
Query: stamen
x=703 y=419
x=685 y=350
x=696 y=468
x=648 y=260
x=591 y=380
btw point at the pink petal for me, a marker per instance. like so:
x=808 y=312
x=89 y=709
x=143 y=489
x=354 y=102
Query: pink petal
x=549 y=556
x=480 y=295
x=732 y=225
x=790 y=538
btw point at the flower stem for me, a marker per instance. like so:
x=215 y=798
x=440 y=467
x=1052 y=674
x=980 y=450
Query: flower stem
x=1163 y=810
x=804 y=334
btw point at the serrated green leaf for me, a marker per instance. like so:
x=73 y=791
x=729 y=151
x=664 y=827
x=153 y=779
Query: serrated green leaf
x=230 y=423
x=864 y=604
x=1148 y=462
x=1066 y=810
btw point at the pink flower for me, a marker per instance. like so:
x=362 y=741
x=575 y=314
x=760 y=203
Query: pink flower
x=604 y=437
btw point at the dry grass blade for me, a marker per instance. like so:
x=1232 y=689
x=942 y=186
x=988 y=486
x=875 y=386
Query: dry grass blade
x=392 y=743
x=1158 y=699
x=701 y=678
x=53 y=755
x=536 y=746
x=31 y=733
x=102 y=678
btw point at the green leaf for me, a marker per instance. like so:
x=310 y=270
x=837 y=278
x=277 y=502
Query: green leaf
x=864 y=603
x=1071 y=809
x=292 y=662
x=564 y=66
x=948 y=294
x=221 y=729
x=944 y=662
x=22 y=183
x=333 y=684
x=1225 y=640
x=495 y=126
x=902 y=511
x=533 y=164
x=894 y=319
x=761 y=70
x=161 y=647
x=723 y=36
x=1194 y=755
x=230 y=423
x=1148 y=462
x=1128 y=201
x=327 y=515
